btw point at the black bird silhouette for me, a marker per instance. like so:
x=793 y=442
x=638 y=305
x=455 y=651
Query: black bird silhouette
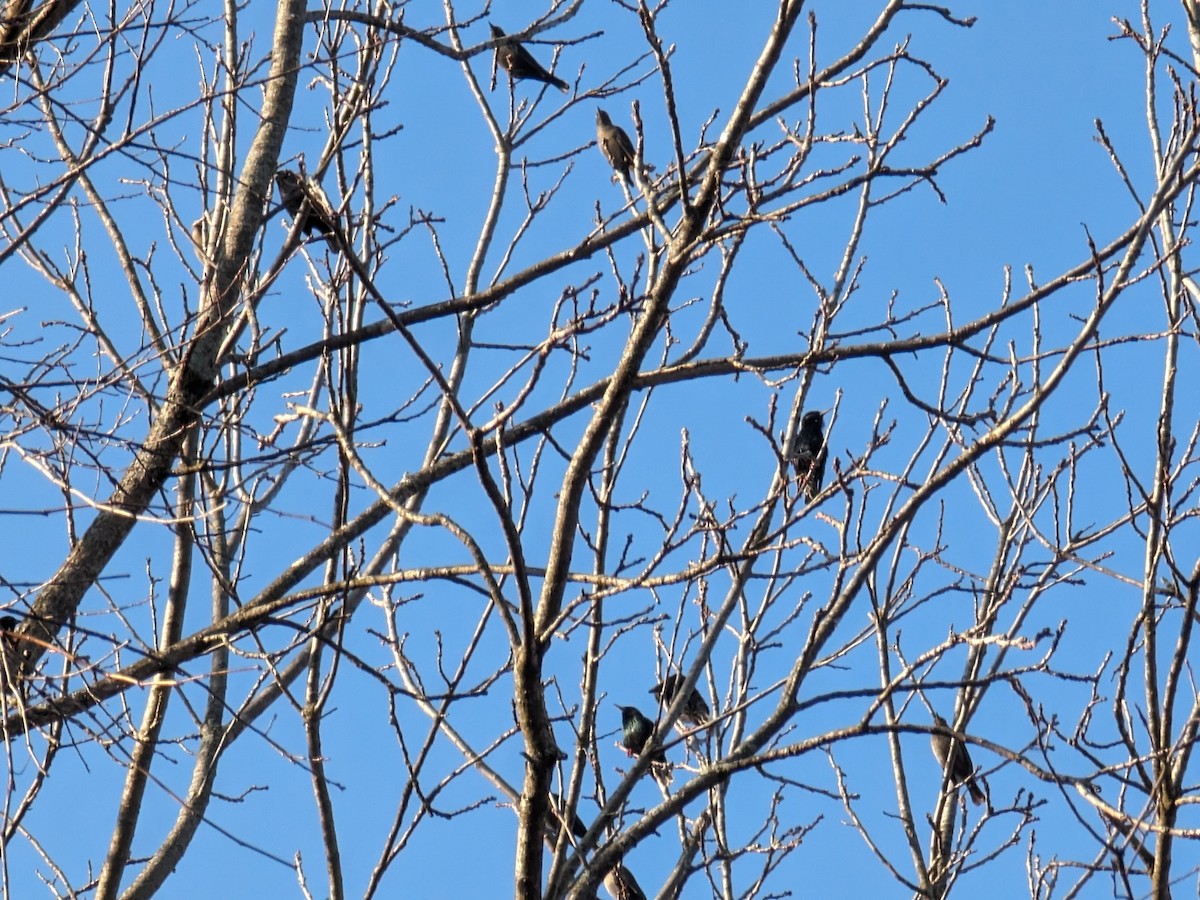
x=635 y=731
x=954 y=759
x=558 y=812
x=520 y=64
x=695 y=711
x=304 y=199
x=615 y=144
x=808 y=453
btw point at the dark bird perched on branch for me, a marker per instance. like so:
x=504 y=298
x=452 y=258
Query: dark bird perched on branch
x=808 y=454
x=695 y=711
x=305 y=201
x=558 y=812
x=520 y=64
x=953 y=757
x=615 y=144
x=635 y=731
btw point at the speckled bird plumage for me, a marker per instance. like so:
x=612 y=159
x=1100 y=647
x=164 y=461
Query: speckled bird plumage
x=303 y=196
x=695 y=711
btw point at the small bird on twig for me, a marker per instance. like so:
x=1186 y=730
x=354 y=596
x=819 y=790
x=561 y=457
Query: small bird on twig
x=954 y=759
x=808 y=453
x=558 y=811
x=621 y=885
x=305 y=201
x=13 y=690
x=615 y=144
x=519 y=63
x=635 y=731
x=695 y=711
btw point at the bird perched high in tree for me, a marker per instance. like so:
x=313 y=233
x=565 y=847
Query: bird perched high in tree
x=13 y=690
x=520 y=64
x=558 y=813
x=635 y=731
x=305 y=200
x=615 y=144
x=695 y=711
x=621 y=885
x=954 y=759
x=808 y=454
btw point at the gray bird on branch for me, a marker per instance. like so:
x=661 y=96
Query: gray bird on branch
x=14 y=690
x=954 y=759
x=621 y=885
x=615 y=144
x=519 y=63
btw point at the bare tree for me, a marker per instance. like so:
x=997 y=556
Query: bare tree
x=364 y=426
